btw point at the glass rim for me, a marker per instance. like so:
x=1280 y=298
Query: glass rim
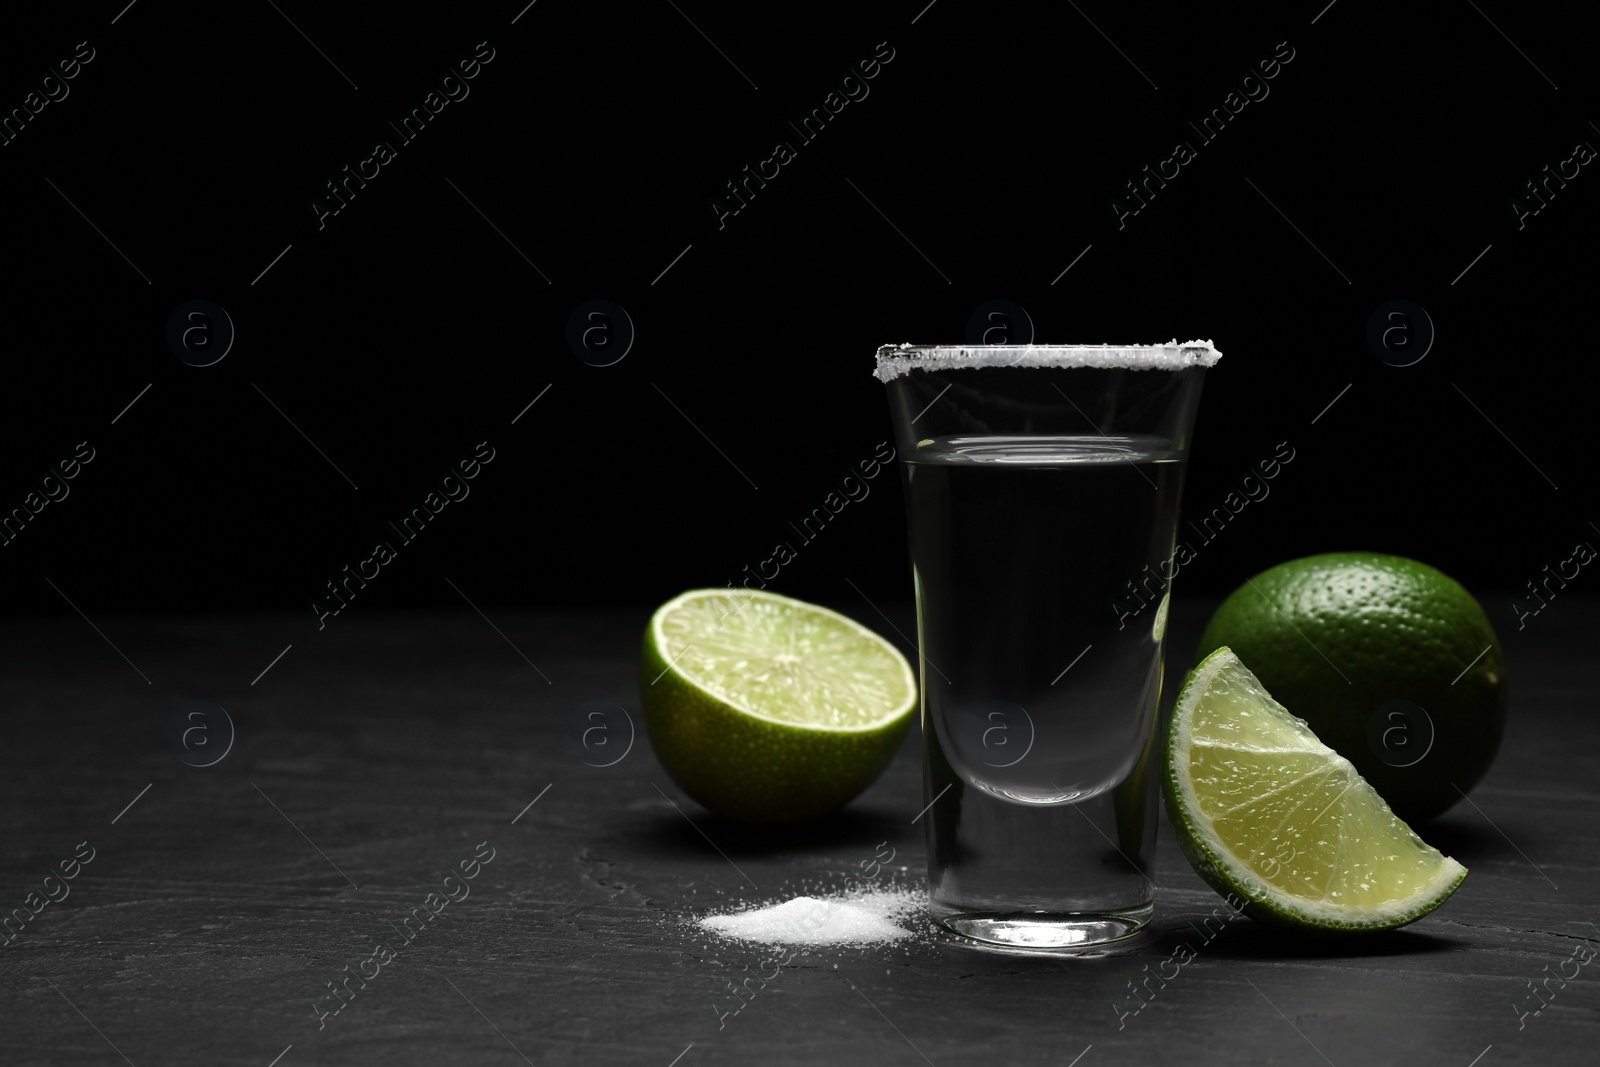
x=893 y=361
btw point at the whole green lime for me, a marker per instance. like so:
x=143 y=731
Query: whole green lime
x=768 y=709
x=1392 y=662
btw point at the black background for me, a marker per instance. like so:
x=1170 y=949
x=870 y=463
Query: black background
x=415 y=323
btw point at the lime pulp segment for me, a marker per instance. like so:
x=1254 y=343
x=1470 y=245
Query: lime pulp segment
x=783 y=659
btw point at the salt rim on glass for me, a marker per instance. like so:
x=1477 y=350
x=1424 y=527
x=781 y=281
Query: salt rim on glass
x=897 y=360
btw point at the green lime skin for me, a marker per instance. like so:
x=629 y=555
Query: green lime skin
x=751 y=769
x=1354 y=643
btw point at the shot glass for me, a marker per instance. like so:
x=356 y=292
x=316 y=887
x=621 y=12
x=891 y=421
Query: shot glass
x=1042 y=486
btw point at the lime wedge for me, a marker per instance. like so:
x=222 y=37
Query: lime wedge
x=1269 y=814
x=769 y=709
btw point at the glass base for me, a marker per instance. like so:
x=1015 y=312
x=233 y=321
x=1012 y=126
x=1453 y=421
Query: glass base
x=1050 y=931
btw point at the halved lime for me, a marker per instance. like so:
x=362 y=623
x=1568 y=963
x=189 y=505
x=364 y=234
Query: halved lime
x=1271 y=816
x=769 y=709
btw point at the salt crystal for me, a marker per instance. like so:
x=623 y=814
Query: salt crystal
x=857 y=919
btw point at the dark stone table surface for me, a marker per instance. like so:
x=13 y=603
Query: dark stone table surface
x=377 y=756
